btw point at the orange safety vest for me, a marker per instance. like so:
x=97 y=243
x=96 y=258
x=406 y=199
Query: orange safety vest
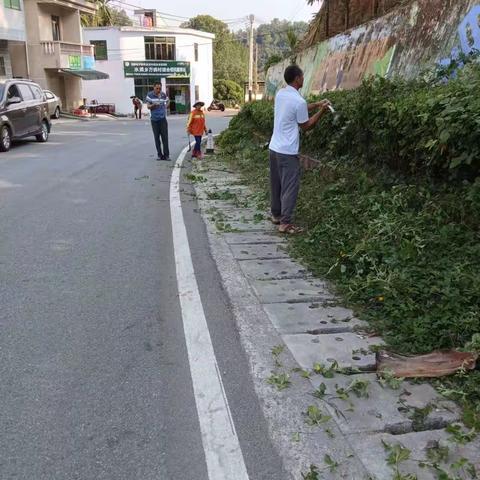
x=196 y=123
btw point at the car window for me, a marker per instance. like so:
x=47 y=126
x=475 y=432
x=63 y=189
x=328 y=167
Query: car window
x=49 y=95
x=12 y=92
x=37 y=92
x=25 y=92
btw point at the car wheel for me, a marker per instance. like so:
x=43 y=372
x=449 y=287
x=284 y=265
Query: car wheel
x=56 y=113
x=222 y=108
x=5 y=139
x=209 y=109
x=43 y=135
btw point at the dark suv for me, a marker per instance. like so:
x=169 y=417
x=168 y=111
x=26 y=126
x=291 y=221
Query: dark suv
x=23 y=112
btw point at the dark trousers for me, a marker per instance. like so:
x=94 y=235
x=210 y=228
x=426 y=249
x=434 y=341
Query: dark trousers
x=160 y=131
x=138 y=113
x=198 y=143
x=284 y=183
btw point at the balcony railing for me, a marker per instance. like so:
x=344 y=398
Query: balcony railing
x=57 y=54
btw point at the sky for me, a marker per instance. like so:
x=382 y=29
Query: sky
x=264 y=10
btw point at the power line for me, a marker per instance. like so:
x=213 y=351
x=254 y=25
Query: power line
x=138 y=7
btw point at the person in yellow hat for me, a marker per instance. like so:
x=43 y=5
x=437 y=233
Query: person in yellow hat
x=196 y=126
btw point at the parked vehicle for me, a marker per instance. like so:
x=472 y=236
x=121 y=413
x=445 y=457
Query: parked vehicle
x=54 y=104
x=216 y=106
x=23 y=112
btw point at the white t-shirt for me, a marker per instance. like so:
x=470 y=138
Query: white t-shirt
x=290 y=110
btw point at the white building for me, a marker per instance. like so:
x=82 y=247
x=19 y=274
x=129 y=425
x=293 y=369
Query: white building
x=12 y=35
x=137 y=57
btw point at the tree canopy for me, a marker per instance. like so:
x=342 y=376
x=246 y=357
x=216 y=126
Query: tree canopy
x=230 y=56
x=277 y=40
x=106 y=16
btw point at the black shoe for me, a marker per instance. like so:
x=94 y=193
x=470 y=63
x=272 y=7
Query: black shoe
x=167 y=159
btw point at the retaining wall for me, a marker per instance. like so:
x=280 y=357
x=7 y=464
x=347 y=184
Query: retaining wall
x=404 y=42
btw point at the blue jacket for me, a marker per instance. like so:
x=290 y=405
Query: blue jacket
x=161 y=111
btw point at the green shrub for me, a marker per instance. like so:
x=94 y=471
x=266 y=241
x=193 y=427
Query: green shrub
x=393 y=211
x=408 y=126
x=228 y=92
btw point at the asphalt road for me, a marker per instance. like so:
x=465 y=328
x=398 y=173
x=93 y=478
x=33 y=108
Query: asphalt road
x=95 y=378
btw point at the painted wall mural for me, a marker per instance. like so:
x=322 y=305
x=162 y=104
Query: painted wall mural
x=469 y=30
x=403 y=43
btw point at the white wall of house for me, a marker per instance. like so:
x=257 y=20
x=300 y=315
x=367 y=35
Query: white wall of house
x=127 y=43
x=121 y=46
x=12 y=35
x=202 y=71
x=12 y=23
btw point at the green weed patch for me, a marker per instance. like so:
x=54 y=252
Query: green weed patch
x=393 y=211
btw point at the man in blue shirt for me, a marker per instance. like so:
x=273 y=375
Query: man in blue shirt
x=157 y=102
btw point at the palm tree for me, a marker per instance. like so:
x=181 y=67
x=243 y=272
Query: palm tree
x=101 y=18
x=292 y=41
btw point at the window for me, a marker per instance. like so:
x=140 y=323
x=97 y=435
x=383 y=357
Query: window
x=148 y=20
x=3 y=70
x=12 y=92
x=100 y=51
x=13 y=4
x=56 y=28
x=159 y=48
x=49 y=95
x=37 y=92
x=25 y=92
x=195 y=47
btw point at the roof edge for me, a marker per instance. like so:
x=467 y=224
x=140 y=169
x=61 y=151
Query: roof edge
x=164 y=30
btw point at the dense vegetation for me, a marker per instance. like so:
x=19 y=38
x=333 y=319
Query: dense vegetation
x=230 y=57
x=106 y=15
x=393 y=211
x=230 y=92
x=276 y=40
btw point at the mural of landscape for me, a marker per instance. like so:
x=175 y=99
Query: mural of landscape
x=404 y=42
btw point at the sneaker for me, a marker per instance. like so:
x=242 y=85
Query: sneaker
x=275 y=220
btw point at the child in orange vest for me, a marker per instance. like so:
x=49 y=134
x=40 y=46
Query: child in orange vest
x=196 y=127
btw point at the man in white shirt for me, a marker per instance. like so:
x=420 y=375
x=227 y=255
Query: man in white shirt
x=291 y=113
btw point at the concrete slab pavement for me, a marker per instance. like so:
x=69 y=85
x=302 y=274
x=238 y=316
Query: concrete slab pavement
x=348 y=350
x=312 y=318
x=258 y=252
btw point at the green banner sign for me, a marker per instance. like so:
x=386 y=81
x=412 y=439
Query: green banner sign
x=156 y=68
x=75 y=62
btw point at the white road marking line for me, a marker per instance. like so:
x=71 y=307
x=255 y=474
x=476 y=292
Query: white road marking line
x=220 y=442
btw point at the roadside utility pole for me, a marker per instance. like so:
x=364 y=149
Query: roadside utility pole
x=250 y=63
x=255 y=71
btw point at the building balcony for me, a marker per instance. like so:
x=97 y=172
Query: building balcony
x=64 y=54
x=83 y=6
